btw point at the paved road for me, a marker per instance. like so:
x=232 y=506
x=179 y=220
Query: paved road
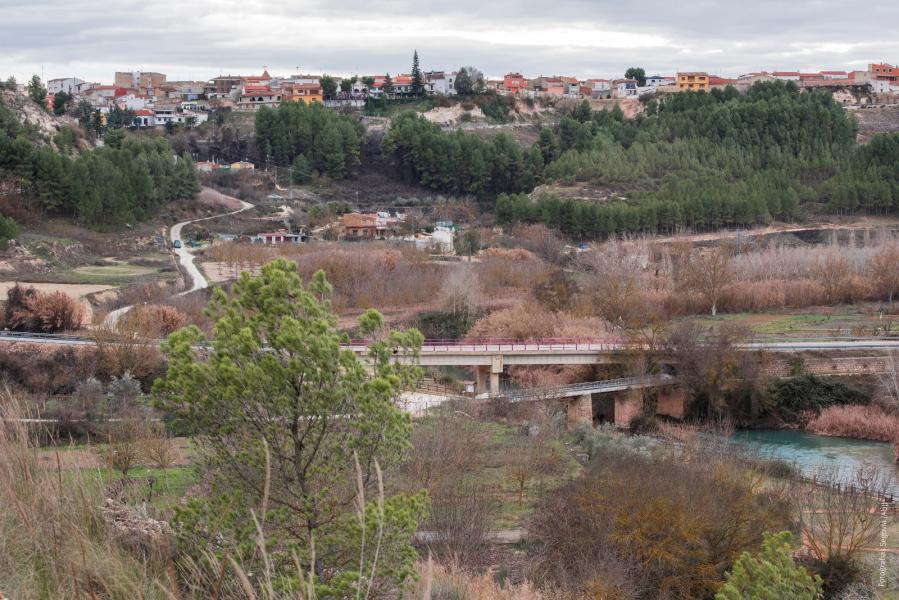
x=185 y=258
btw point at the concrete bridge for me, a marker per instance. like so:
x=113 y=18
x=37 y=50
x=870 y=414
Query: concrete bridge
x=490 y=357
x=579 y=398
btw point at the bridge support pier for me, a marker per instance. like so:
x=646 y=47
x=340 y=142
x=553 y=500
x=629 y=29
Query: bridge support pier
x=627 y=406
x=672 y=404
x=579 y=411
x=480 y=379
x=496 y=369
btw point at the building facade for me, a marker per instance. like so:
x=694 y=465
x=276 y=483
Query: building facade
x=693 y=81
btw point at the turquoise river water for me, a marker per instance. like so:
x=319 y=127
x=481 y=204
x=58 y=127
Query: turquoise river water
x=811 y=452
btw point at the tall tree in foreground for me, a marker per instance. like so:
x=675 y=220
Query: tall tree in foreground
x=279 y=395
x=418 y=81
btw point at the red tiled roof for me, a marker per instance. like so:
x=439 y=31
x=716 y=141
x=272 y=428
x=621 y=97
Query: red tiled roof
x=143 y=112
x=359 y=220
x=833 y=72
x=786 y=73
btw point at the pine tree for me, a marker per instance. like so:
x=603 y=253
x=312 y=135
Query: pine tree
x=387 y=88
x=37 y=91
x=329 y=155
x=418 y=82
x=770 y=575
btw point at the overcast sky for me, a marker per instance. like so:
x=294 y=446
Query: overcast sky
x=199 y=39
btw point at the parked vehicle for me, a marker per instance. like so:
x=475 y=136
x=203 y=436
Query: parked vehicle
x=176 y=244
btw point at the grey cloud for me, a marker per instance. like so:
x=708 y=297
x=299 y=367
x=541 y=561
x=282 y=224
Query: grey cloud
x=203 y=37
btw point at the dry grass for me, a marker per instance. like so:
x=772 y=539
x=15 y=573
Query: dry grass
x=438 y=582
x=53 y=540
x=862 y=422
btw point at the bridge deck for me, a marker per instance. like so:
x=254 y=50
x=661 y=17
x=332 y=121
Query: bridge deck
x=590 y=387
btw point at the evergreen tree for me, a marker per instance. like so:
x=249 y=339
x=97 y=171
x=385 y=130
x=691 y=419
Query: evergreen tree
x=770 y=575
x=463 y=84
x=418 y=82
x=37 y=91
x=271 y=400
x=302 y=170
x=60 y=100
x=328 y=149
x=9 y=229
x=329 y=86
x=387 y=87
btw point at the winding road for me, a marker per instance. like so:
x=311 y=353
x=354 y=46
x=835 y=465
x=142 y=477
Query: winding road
x=193 y=276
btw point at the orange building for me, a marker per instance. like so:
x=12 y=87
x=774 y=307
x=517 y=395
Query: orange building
x=302 y=92
x=884 y=71
x=693 y=81
x=514 y=83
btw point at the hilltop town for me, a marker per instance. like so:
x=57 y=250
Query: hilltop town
x=154 y=101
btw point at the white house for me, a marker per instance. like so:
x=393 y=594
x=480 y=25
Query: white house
x=442 y=83
x=168 y=114
x=655 y=81
x=69 y=85
x=132 y=102
x=786 y=75
x=625 y=88
x=144 y=117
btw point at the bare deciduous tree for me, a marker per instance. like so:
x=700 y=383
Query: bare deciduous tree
x=612 y=278
x=883 y=269
x=707 y=272
x=533 y=458
x=124 y=445
x=160 y=450
x=839 y=513
x=461 y=292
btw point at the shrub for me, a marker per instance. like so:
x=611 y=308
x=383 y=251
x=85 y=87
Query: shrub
x=47 y=370
x=641 y=513
x=8 y=230
x=443 y=324
x=27 y=309
x=460 y=520
x=868 y=422
x=790 y=397
x=152 y=320
x=522 y=322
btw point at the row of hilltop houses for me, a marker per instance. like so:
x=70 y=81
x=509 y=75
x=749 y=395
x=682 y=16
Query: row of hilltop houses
x=879 y=78
x=156 y=101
